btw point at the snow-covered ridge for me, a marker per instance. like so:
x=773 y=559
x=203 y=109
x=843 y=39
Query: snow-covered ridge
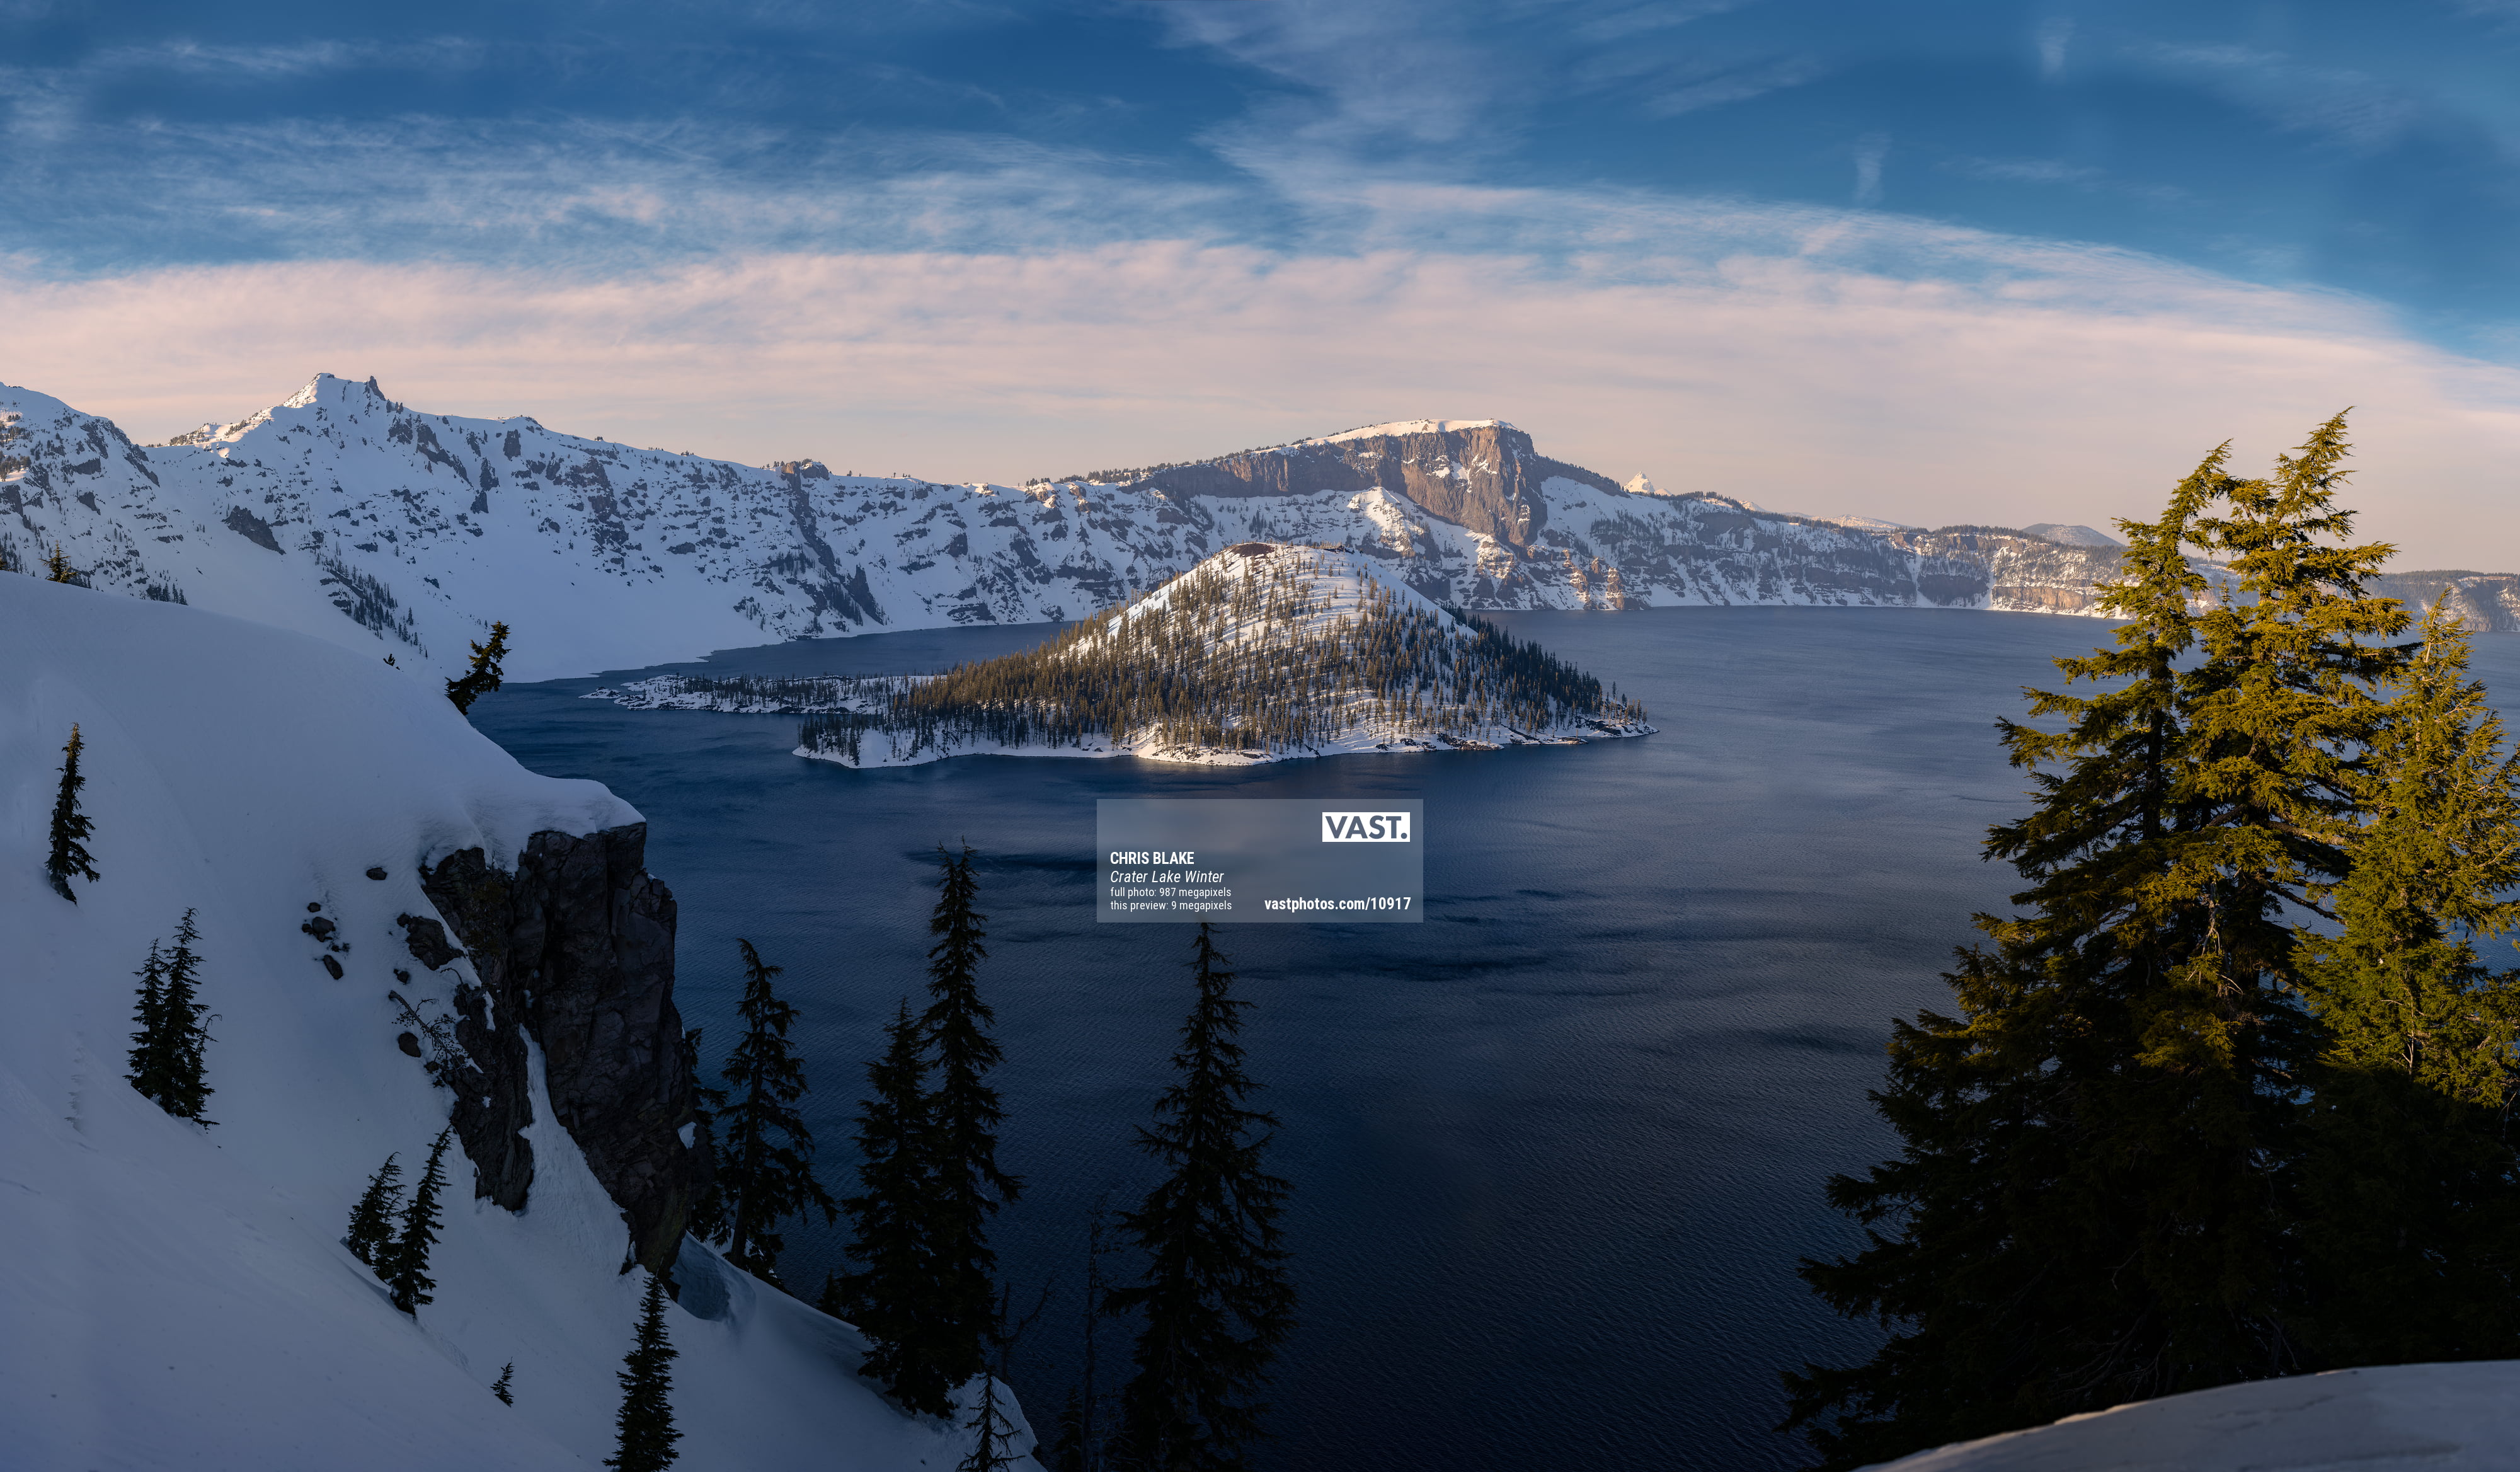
x=348 y=515
x=1398 y=427
x=180 y=1298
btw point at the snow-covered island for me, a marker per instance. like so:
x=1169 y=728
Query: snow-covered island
x=1266 y=651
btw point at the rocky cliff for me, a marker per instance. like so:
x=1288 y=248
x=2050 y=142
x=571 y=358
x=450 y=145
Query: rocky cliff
x=574 y=947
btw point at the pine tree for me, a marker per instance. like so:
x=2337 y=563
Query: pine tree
x=58 y=569
x=894 y=1294
x=768 y=1175
x=505 y=1386
x=2414 y=1209
x=69 y=855
x=1215 y=1296
x=705 y=1216
x=369 y=1238
x=2089 y=1206
x=1067 y=1453
x=484 y=677
x=647 y=1418
x=964 y=1114
x=151 y=1073
x=407 y=1272
x=184 y=1035
x=992 y=1434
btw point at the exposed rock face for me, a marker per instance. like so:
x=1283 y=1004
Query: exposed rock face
x=1485 y=478
x=576 y=948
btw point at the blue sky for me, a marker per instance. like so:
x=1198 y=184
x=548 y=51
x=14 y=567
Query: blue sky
x=2330 y=171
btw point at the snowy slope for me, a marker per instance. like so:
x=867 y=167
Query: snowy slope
x=2438 y=1417
x=177 y=1296
x=377 y=526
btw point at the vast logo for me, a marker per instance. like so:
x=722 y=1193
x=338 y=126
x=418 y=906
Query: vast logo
x=1365 y=827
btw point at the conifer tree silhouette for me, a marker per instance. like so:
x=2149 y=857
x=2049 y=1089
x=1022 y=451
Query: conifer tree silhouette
x=962 y=1115
x=184 y=1030
x=369 y=1238
x=893 y=1294
x=58 y=569
x=408 y=1275
x=70 y=827
x=646 y=1421
x=150 y=1072
x=1215 y=1295
x=766 y=1171
x=504 y=1386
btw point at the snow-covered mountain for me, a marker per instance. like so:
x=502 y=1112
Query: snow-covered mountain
x=347 y=515
x=177 y=1296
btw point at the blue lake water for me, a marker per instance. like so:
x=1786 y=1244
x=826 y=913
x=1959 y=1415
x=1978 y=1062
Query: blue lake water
x=1554 y=1151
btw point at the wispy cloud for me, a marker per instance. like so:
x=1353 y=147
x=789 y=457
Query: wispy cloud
x=1803 y=356
x=1715 y=88
x=2360 y=111
x=2055 y=34
x=1870 y=152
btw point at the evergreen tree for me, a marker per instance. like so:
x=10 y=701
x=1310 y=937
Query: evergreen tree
x=184 y=1032
x=964 y=1114
x=705 y=1216
x=2413 y=1209
x=647 y=1418
x=505 y=1386
x=767 y=1173
x=1068 y=1454
x=407 y=1270
x=484 y=677
x=894 y=1295
x=1215 y=1296
x=992 y=1432
x=69 y=855
x=58 y=569
x=369 y=1238
x=151 y=1072
x=2089 y=1205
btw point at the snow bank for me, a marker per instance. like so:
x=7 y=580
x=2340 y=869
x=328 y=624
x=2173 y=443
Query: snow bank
x=178 y=1297
x=2449 y=1417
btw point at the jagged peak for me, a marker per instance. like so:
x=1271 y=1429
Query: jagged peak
x=330 y=387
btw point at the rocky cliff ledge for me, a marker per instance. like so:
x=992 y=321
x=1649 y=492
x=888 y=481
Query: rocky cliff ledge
x=574 y=947
x=1483 y=477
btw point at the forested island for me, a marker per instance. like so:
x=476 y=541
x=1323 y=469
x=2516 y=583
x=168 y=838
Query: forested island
x=1262 y=653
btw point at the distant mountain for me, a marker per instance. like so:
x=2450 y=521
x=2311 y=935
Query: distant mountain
x=345 y=513
x=2072 y=536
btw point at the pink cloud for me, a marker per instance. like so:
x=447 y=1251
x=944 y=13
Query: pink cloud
x=2058 y=386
